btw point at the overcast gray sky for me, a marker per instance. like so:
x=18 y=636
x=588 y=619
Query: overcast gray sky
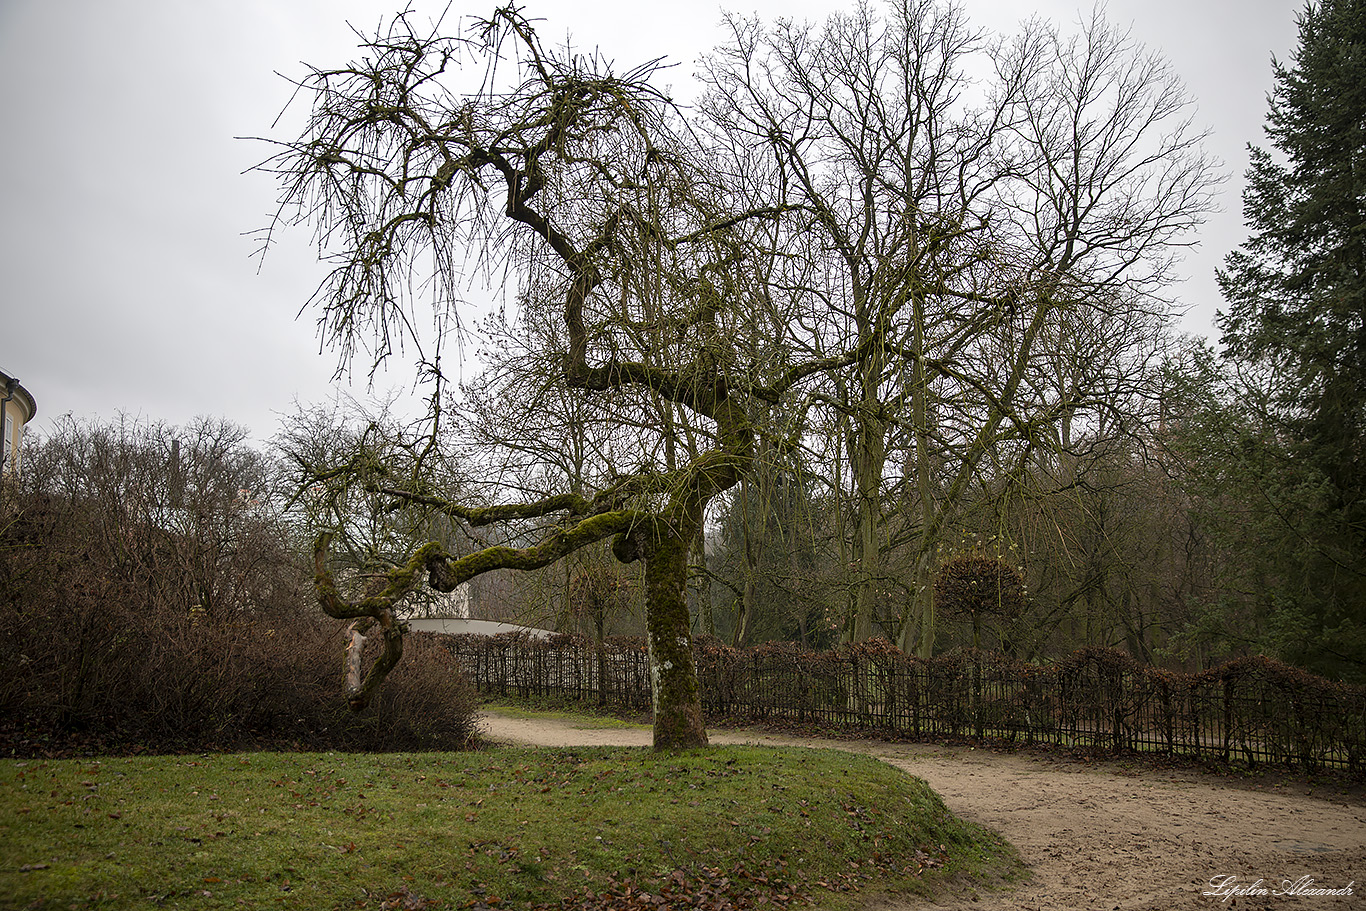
x=129 y=283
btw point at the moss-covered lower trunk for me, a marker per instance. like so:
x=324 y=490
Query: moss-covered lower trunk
x=673 y=674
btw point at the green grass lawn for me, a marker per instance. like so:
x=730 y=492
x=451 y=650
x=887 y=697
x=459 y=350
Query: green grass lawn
x=494 y=828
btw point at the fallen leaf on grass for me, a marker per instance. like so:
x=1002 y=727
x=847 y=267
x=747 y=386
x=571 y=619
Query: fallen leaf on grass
x=405 y=900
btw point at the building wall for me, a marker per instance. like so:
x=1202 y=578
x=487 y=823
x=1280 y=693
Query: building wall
x=17 y=408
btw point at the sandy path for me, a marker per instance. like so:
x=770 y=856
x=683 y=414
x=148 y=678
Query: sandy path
x=1098 y=838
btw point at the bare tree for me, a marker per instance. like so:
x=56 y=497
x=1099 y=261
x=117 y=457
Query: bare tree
x=851 y=235
x=578 y=184
x=955 y=239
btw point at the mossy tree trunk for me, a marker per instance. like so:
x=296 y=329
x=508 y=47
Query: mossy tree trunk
x=673 y=674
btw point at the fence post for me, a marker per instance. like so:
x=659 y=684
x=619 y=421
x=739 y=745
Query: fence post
x=1168 y=719
x=978 y=722
x=889 y=691
x=1117 y=700
x=913 y=692
x=1228 y=717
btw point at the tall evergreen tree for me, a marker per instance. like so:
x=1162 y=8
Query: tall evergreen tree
x=1296 y=292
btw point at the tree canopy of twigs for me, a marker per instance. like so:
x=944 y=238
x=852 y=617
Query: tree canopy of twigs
x=821 y=239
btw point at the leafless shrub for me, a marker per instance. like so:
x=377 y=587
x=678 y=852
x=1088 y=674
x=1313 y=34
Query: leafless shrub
x=129 y=622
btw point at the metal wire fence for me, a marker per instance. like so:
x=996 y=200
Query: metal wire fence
x=1250 y=710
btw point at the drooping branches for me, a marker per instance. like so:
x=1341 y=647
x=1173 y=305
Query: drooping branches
x=840 y=234
x=575 y=181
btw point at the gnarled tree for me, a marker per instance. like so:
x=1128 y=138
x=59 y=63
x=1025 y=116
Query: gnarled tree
x=578 y=183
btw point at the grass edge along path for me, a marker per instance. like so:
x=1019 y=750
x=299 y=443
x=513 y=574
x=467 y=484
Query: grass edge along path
x=579 y=717
x=563 y=828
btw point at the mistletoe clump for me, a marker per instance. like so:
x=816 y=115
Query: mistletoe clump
x=977 y=585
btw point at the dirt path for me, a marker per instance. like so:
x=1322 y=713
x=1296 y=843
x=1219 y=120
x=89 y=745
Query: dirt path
x=1099 y=838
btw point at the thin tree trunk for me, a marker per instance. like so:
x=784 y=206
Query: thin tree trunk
x=867 y=455
x=699 y=560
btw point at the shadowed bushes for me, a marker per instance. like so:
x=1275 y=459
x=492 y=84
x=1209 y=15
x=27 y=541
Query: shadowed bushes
x=154 y=605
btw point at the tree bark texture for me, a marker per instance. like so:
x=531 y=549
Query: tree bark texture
x=673 y=675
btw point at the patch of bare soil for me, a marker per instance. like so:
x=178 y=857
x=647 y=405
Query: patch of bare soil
x=1101 y=836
